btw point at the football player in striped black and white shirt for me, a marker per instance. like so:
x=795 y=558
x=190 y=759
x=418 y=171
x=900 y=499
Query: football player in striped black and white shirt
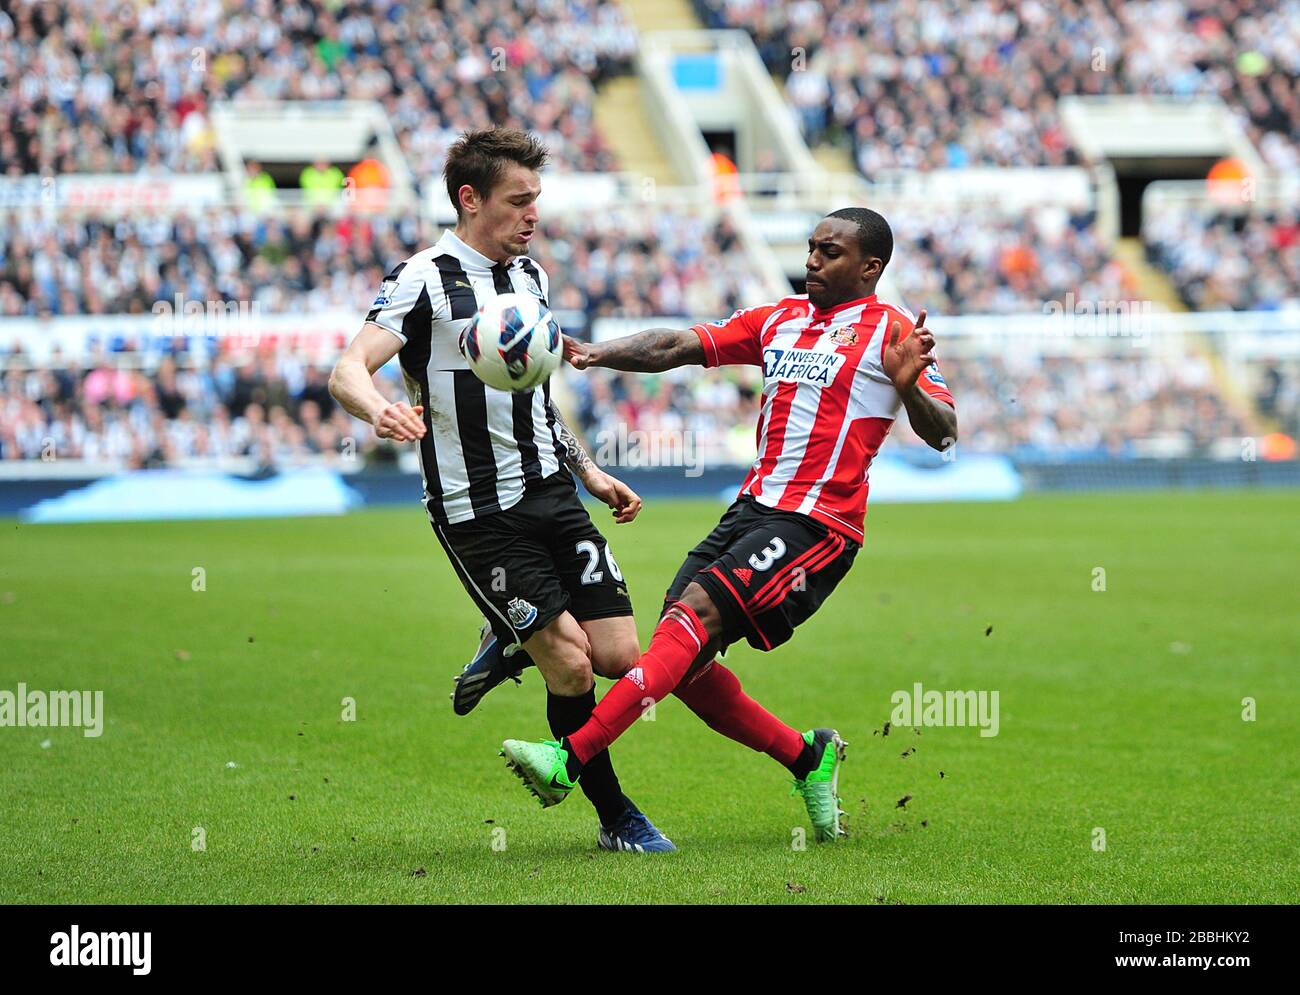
x=497 y=486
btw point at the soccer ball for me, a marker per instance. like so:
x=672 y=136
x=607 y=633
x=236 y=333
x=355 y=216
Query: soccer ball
x=513 y=343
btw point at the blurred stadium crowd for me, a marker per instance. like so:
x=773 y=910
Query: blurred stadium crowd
x=627 y=263
x=103 y=87
x=948 y=83
x=277 y=409
x=982 y=261
x=1225 y=260
x=1027 y=406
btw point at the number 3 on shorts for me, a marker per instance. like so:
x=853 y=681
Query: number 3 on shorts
x=772 y=552
x=590 y=575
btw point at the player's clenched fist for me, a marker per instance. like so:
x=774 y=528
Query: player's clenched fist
x=400 y=422
x=904 y=361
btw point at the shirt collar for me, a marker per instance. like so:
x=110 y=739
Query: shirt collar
x=470 y=254
x=818 y=314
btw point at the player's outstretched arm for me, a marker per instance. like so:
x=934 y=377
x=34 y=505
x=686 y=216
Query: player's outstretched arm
x=353 y=386
x=651 y=351
x=931 y=419
x=622 y=499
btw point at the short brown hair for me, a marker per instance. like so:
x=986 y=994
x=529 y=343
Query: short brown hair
x=479 y=158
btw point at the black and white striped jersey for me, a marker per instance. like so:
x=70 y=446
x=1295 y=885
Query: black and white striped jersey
x=483 y=447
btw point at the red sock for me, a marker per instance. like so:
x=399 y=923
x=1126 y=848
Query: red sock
x=676 y=643
x=715 y=695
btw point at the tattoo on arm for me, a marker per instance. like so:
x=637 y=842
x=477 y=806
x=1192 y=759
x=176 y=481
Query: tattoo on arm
x=651 y=351
x=934 y=421
x=575 y=457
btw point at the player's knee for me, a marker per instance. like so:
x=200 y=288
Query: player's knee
x=569 y=672
x=616 y=660
x=562 y=653
x=697 y=600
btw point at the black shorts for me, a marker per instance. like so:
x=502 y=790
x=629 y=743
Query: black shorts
x=766 y=571
x=527 y=565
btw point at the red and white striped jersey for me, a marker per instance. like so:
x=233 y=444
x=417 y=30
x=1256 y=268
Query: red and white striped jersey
x=827 y=401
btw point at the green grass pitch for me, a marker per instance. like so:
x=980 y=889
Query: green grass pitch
x=1121 y=710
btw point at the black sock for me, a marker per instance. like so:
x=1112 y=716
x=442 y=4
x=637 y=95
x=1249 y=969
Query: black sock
x=804 y=763
x=599 y=782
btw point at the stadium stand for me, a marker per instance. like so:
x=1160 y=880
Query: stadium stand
x=944 y=84
x=275 y=406
x=297 y=263
x=1031 y=406
x=275 y=409
x=625 y=263
x=1277 y=393
x=919 y=84
x=1231 y=260
x=94 y=86
x=986 y=262
x=630 y=263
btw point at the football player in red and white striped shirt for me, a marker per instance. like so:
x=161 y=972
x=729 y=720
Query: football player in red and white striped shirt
x=837 y=364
